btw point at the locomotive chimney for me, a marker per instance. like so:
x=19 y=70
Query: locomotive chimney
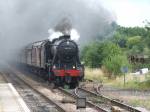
x=64 y=37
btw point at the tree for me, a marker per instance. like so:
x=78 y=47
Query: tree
x=110 y=49
x=112 y=53
x=114 y=58
x=114 y=63
x=147 y=40
x=94 y=54
x=91 y=55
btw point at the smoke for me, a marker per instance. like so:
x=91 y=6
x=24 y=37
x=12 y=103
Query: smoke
x=56 y=34
x=26 y=21
x=63 y=28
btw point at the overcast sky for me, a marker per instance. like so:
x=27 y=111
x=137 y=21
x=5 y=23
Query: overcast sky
x=26 y=21
x=129 y=12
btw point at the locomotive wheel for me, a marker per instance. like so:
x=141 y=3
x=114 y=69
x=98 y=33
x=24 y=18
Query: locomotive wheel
x=74 y=85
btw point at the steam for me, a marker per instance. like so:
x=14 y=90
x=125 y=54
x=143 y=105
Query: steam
x=25 y=21
x=74 y=35
x=53 y=34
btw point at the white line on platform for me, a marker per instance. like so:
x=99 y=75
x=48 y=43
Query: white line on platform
x=20 y=100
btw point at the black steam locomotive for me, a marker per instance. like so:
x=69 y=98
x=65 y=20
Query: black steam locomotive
x=57 y=61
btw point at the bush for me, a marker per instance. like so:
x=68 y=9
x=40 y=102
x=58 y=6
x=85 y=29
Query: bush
x=114 y=63
x=105 y=54
x=91 y=55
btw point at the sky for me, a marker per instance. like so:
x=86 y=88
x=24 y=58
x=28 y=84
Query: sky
x=129 y=13
x=25 y=21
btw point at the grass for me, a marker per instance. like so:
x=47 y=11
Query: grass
x=142 y=103
x=139 y=82
x=136 y=82
x=94 y=74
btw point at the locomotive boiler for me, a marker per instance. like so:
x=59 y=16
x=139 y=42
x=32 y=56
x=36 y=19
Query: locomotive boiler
x=56 y=61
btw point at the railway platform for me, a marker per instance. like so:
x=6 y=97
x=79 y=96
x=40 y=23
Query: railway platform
x=10 y=100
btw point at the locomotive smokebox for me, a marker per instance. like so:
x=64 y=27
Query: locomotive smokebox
x=64 y=48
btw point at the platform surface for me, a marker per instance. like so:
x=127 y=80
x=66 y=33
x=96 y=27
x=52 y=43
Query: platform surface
x=10 y=100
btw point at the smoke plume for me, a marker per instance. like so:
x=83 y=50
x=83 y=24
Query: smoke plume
x=63 y=28
x=26 y=21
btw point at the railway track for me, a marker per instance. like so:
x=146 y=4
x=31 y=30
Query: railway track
x=68 y=93
x=39 y=86
x=94 y=100
x=35 y=99
x=71 y=94
x=96 y=97
x=90 y=104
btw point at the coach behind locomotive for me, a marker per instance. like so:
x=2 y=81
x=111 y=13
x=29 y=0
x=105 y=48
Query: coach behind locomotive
x=56 y=60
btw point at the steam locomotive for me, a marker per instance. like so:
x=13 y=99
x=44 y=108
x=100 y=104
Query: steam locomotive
x=56 y=61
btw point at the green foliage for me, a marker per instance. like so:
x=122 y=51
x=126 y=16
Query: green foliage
x=107 y=54
x=113 y=53
x=113 y=58
x=110 y=49
x=94 y=54
x=119 y=39
x=91 y=55
x=132 y=31
x=135 y=45
x=114 y=63
x=147 y=40
x=132 y=41
x=136 y=40
x=146 y=83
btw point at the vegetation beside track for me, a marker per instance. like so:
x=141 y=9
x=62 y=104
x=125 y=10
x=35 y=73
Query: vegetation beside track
x=138 y=102
x=132 y=82
x=135 y=82
x=127 y=47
